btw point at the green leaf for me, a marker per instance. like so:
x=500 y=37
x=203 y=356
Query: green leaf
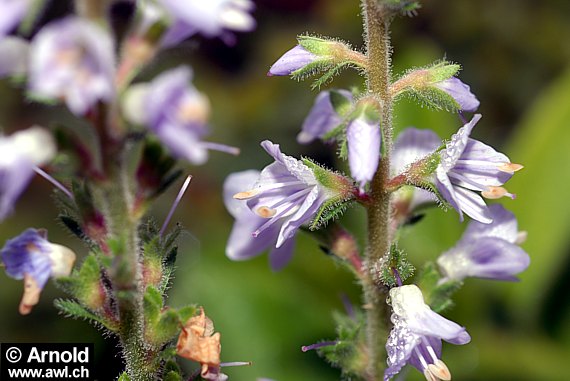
x=75 y=310
x=152 y=304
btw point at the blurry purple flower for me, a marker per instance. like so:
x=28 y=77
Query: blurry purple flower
x=293 y=60
x=11 y=13
x=241 y=244
x=410 y=146
x=73 y=59
x=488 y=251
x=211 y=18
x=177 y=113
x=460 y=92
x=21 y=152
x=469 y=166
x=322 y=118
x=13 y=56
x=363 y=138
x=30 y=256
x=417 y=334
x=287 y=194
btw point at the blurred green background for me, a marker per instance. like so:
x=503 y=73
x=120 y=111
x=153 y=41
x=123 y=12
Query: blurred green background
x=516 y=57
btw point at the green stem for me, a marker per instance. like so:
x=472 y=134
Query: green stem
x=377 y=37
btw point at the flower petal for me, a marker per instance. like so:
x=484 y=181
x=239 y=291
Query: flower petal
x=322 y=118
x=411 y=145
x=473 y=205
x=235 y=183
x=504 y=226
x=363 y=140
x=454 y=149
x=279 y=257
x=304 y=214
x=460 y=92
x=293 y=60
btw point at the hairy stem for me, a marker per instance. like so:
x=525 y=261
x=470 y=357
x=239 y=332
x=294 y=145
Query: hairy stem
x=378 y=49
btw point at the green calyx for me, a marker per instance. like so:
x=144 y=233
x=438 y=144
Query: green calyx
x=332 y=56
x=394 y=262
x=421 y=85
x=341 y=192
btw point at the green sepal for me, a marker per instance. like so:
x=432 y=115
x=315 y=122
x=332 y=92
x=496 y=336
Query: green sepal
x=421 y=85
x=349 y=353
x=341 y=192
x=436 y=295
x=73 y=309
x=435 y=98
x=340 y=104
x=33 y=13
x=396 y=259
x=330 y=211
x=162 y=323
x=316 y=45
x=330 y=73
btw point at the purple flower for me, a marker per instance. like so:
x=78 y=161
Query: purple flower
x=11 y=13
x=487 y=251
x=73 y=59
x=417 y=334
x=30 y=256
x=210 y=18
x=241 y=244
x=13 y=56
x=460 y=92
x=363 y=140
x=410 y=146
x=293 y=60
x=468 y=166
x=287 y=194
x=322 y=118
x=177 y=113
x=21 y=153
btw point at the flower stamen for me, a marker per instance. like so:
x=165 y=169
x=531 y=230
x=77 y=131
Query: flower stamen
x=510 y=167
x=494 y=193
x=265 y=212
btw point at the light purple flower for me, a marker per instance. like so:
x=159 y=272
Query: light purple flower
x=322 y=118
x=21 y=153
x=13 y=56
x=460 y=92
x=293 y=60
x=488 y=251
x=417 y=334
x=11 y=14
x=468 y=166
x=211 y=18
x=30 y=256
x=287 y=195
x=73 y=59
x=363 y=138
x=177 y=113
x=241 y=244
x=412 y=145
